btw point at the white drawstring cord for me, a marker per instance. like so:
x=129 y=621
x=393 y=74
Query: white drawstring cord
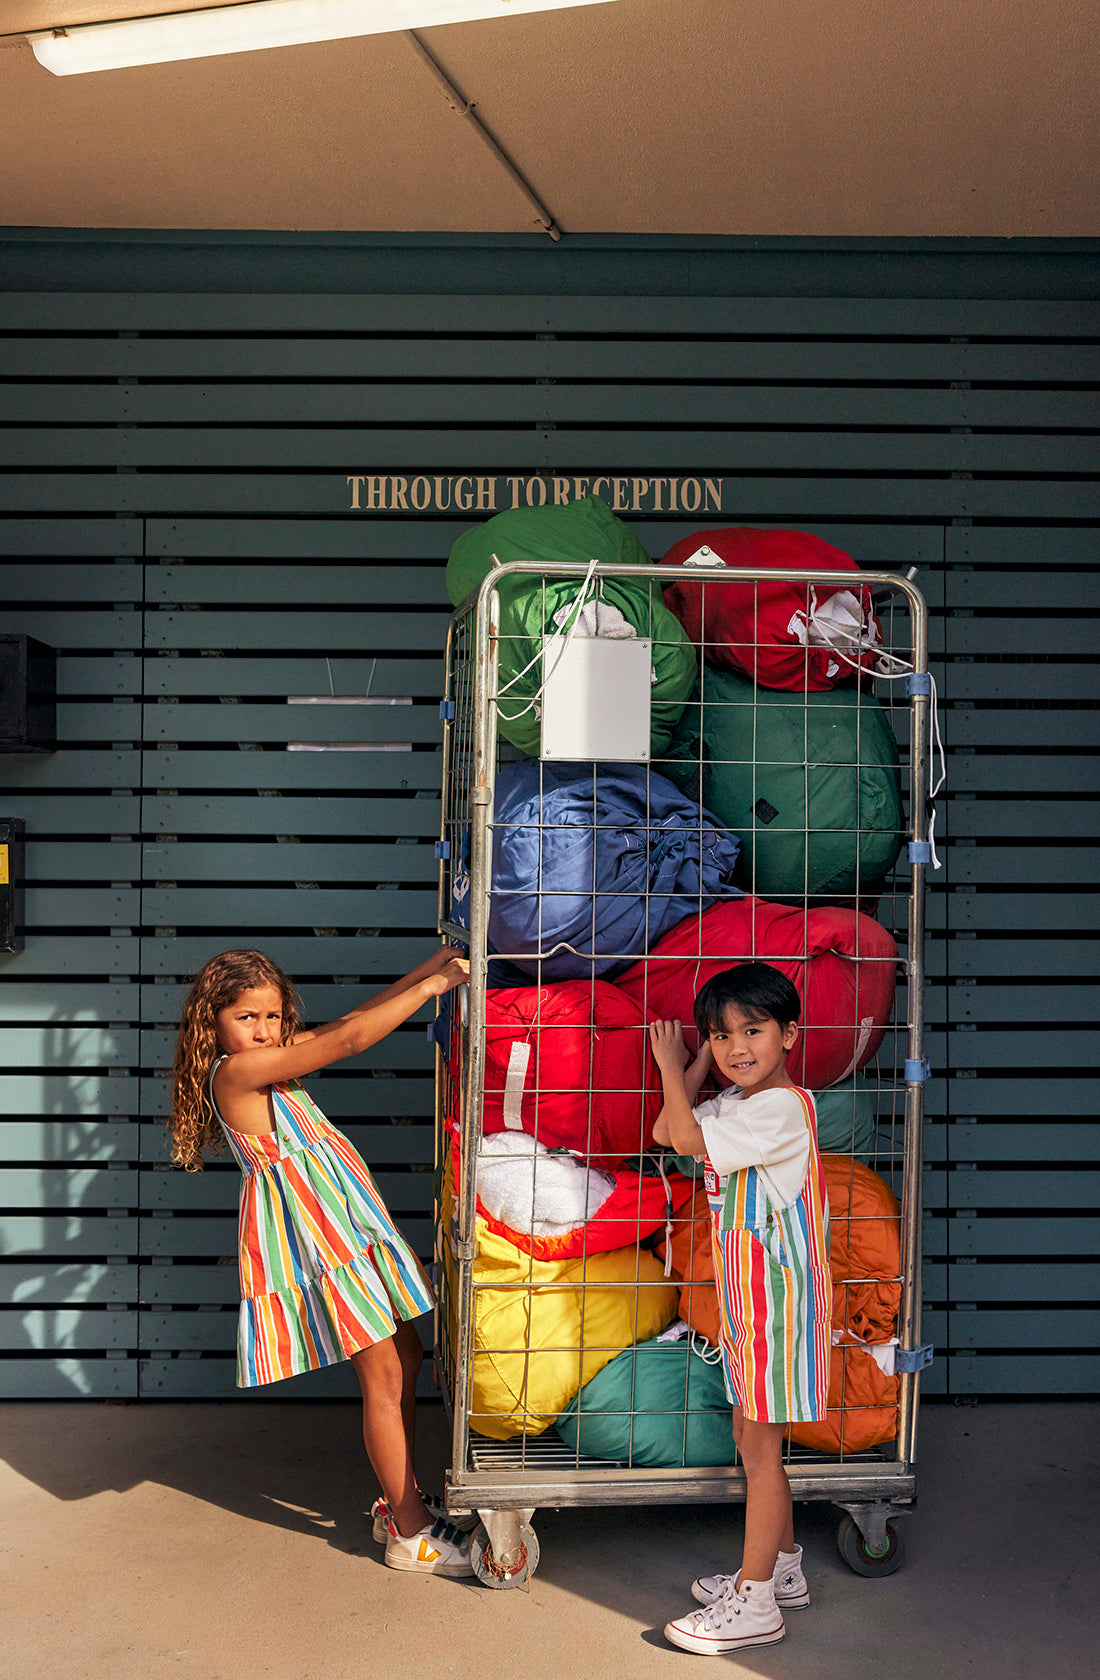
x=905 y=668
x=668 y=1212
x=578 y=602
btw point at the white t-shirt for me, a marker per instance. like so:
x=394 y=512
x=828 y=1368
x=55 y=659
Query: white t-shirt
x=767 y=1131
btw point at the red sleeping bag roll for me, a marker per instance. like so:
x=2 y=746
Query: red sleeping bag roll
x=570 y=1064
x=759 y=628
x=842 y=963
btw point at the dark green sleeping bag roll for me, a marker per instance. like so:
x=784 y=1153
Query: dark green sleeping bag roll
x=809 y=782
x=658 y=1404
x=581 y=531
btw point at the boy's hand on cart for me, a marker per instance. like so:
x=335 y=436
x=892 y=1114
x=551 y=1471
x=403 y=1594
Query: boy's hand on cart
x=666 y=1040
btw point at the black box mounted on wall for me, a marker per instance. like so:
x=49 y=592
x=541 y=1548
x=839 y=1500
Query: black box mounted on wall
x=12 y=912
x=28 y=695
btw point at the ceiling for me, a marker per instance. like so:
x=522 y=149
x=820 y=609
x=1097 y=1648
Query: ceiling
x=747 y=117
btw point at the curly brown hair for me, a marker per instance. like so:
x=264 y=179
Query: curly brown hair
x=193 y=1125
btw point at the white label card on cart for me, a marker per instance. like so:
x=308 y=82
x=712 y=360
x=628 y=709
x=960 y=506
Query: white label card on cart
x=596 y=698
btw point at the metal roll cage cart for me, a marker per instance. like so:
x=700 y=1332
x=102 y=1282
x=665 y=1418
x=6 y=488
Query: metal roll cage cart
x=505 y=1481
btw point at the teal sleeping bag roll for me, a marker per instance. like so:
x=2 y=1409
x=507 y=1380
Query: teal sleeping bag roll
x=659 y=1404
x=531 y=609
x=809 y=781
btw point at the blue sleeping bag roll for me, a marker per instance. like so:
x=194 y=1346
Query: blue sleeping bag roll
x=602 y=858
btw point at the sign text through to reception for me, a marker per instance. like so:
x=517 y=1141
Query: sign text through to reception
x=477 y=493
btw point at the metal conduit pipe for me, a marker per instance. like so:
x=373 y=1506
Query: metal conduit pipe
x=465 y=108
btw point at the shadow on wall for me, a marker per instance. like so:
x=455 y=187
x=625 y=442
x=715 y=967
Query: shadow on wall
x=70 y=1179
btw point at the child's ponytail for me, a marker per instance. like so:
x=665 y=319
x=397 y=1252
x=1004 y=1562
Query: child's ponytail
x=193 y=1125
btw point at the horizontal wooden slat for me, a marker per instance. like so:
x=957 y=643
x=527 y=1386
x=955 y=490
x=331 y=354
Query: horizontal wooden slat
x=192 y=721
x=1009 y=817
x=188 y=677
x=214 y=1378
x=63 y=629
x=302 y=955
x=46 y=581
x=50 y=907
x=67 y=1236
x=72 y=1000
x=1058 y=1095
x=979 y=1281
x=87 y=1093
x=760 y=500
x=384 y=539
x=50 y=1283
x=1020 y=729
x=60 y=1186
x=64 y=1330
x=1033 y=1328
x=65 y=955
x=68 y=1379
x=1000 y=591
x=68 y=1044
x=256 y=907
x=338 y=586
x=1024 y=910
x=312 y=860
x=992 y=958
x=291 y=772
x=1071 y=681
x=993 y=1187
x=258 y=817
x=1023 y=1373
x=1068 y=1000
x=260 y=628
x=101 y=538
x=196 y=1285
x=340 y=1096
x=1018 y=864
x=1045 y=1234
x=331 y=403
x=1023 y=545
x=458 y=448
x=151 y=357
x=520 y=311
x=52 y=861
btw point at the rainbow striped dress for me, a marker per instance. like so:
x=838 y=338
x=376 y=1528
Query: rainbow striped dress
x=775 y=1291
x=324 y=1270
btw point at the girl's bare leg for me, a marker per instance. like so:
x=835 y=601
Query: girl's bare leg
x=382 y=1378
x=411 y=1354
x=769 y=1524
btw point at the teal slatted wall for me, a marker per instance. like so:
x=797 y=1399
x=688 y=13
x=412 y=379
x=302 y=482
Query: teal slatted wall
x=174 y=518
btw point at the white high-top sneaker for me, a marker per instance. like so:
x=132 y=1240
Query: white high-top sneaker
x=791 y=1590
x=747 y=1616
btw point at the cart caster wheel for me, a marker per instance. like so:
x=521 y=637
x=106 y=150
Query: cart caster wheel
x=858 y=1556
x=515 y=1569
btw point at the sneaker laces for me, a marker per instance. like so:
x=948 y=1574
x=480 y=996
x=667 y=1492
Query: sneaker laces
x=443 y=1530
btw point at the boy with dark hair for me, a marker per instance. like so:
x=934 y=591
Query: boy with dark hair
x=767 y=1194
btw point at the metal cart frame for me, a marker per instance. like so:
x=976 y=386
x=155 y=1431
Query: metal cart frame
x=505 y=1487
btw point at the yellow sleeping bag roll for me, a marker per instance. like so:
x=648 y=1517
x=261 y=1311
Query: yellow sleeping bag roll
x=536 y=1345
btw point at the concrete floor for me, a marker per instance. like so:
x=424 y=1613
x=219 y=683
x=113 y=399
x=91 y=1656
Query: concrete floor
x=229 y=1542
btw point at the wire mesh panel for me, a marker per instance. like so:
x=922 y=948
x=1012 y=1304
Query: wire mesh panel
x=783 y=822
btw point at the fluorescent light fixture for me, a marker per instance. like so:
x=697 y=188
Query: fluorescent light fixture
x=260 y=23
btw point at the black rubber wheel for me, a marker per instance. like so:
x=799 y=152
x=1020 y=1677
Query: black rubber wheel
x=488 y=1570
x=856 y=1554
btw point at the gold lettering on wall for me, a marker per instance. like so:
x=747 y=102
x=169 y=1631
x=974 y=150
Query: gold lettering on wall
x=484 y=493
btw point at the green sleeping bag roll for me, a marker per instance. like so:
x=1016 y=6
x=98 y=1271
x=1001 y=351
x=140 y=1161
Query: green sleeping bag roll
x=657 y=1404
x=580 y=531
x=809 y=782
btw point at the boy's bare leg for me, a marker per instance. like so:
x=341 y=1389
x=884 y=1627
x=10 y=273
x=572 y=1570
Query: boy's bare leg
x=769 y=1522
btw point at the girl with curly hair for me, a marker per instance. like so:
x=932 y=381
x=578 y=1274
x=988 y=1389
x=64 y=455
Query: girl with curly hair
x=325 y=1273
